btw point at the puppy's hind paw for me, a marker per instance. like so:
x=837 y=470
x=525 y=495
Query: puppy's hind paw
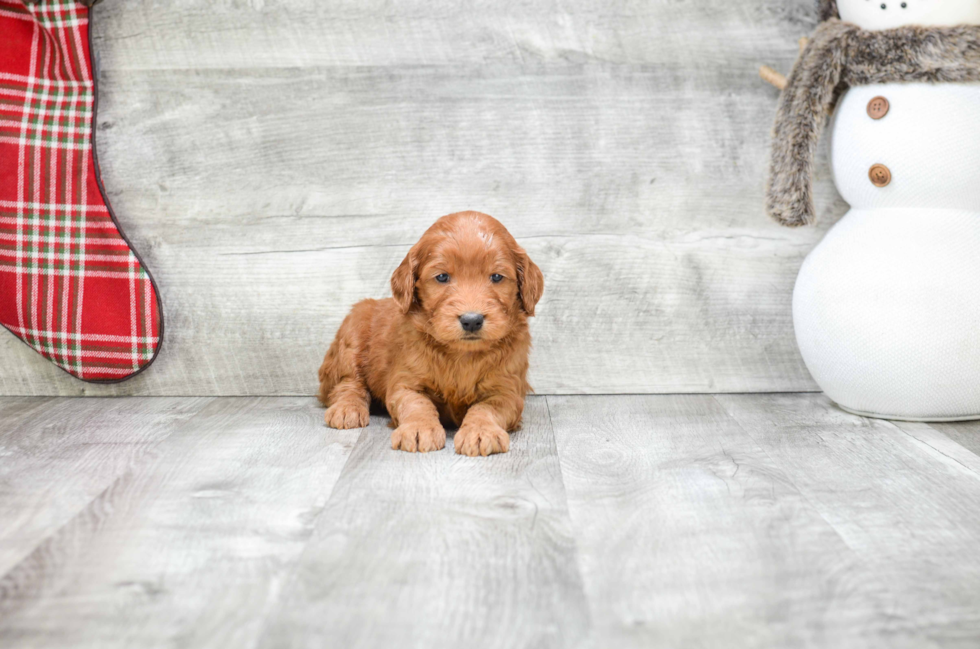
x=345 y=414
x=481 y=439
x=418 y=437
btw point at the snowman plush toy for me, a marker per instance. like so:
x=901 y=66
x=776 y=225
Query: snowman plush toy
x=887 y=307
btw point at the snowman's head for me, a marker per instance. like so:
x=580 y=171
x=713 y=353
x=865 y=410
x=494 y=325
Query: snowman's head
x=886 y=14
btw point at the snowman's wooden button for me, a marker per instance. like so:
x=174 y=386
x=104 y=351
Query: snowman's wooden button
x=878 y=108
x=880 y=175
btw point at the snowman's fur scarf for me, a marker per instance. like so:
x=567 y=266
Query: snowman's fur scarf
x=840 y=55
x=828 y=9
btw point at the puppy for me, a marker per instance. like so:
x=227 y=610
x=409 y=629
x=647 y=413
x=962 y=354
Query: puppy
x=451 y=346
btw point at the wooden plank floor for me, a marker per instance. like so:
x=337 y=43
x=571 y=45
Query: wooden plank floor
x=615 y=521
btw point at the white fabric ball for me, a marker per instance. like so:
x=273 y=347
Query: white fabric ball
x=886 y=14
x=887 y=313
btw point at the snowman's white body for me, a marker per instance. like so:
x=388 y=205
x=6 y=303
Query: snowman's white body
x=887 y=307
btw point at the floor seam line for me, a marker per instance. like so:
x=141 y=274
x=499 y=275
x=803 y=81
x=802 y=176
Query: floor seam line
x=574 y=532
x=128 y=470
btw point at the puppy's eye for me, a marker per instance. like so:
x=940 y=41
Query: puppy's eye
x=496 y=278
x=442 y=278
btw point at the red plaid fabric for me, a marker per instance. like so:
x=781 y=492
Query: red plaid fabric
x=70 y=285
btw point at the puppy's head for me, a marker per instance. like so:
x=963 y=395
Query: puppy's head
x=468 y=280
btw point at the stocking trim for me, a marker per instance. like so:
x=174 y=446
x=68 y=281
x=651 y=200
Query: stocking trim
x=112 y=214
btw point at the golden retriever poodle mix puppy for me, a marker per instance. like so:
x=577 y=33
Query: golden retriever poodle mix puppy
x=450 y=347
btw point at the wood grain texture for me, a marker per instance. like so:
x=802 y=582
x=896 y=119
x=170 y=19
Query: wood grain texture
x=57 y=455
x=691 y=535
x=189 y=549
x=439 y=550
x=614 y=522
x=958 y=442
x=273 y=161
x=964 y=433
x=168 y=34
x=909 y=512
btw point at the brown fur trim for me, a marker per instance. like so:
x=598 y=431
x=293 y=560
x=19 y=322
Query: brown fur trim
x=840 y=55
x=828 y=9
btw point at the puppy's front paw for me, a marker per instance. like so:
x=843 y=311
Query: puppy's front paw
x=345 y=414
x=420 y=437
x=481 y=439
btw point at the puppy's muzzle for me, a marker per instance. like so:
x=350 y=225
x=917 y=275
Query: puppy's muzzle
x=471 y=322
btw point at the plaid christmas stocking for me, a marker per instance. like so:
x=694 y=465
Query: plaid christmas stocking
x=70 y=285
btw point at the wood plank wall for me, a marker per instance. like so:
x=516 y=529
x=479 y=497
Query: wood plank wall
x=274 y=160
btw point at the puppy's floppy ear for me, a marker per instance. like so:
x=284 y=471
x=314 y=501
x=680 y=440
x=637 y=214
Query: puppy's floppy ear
x=530 y=281
x=403 y=280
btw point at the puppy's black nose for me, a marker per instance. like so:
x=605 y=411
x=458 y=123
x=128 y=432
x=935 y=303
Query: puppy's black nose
x=471 y=322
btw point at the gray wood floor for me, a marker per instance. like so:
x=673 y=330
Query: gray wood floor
x=617 y=521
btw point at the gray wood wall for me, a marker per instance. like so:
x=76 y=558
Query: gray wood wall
x=274 y=160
